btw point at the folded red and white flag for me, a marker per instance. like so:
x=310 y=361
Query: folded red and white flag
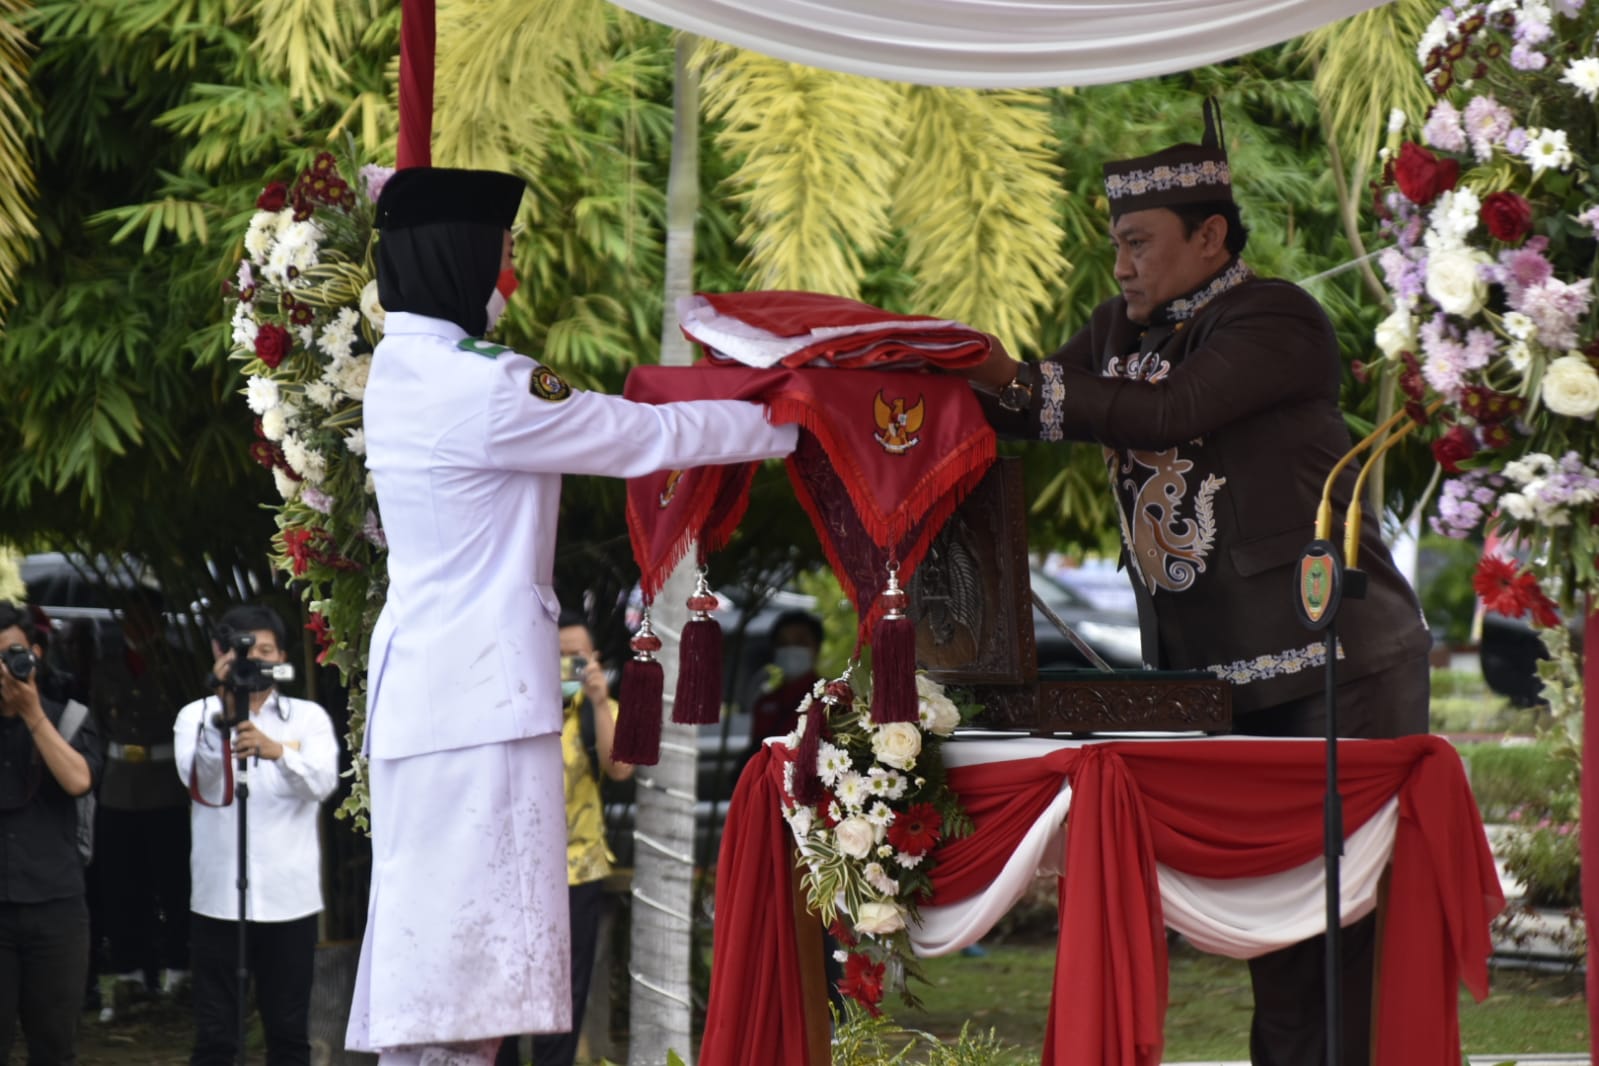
x=812 y=329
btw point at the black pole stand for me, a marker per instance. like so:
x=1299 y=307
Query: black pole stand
x=1320 y=584
x=241 y=796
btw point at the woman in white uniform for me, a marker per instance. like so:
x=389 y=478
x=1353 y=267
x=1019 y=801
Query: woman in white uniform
x=466 y=934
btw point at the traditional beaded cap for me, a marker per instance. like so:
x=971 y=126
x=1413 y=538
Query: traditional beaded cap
x=1181 y=174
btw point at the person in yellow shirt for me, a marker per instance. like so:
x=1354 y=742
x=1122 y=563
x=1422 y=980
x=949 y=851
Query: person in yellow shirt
x=587 y=728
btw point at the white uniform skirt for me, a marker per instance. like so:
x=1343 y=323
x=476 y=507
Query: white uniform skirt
x=467 y=933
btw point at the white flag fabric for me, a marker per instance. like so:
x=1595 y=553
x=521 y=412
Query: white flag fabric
x=1001 y=44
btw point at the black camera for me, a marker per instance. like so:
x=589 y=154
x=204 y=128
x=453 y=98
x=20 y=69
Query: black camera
x=253 y=675
x=19 y=660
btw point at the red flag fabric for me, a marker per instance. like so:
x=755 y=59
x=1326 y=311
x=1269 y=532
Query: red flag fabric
x=783 y=327
x=1217 y=809
x=884 y=458
x=417 y=45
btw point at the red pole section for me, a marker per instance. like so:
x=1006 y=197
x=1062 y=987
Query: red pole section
x=417 y=41
x=1590 y=808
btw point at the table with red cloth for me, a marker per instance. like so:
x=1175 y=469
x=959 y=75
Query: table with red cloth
x=1221 y=838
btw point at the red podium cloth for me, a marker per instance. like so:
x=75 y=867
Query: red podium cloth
x=884 y=457
x=1237 y=808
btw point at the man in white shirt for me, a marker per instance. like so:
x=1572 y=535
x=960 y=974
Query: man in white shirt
x=467 y=934
x=293 y=766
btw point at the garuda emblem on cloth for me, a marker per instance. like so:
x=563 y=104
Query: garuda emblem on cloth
x=897 y=426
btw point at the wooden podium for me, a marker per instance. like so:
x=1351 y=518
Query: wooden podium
x=971 y=599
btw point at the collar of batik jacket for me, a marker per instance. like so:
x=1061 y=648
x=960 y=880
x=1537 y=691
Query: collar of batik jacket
x=1186 y=307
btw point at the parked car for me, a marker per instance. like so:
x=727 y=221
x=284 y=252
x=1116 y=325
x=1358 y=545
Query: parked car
x=1112 y=632
x=1509 y=652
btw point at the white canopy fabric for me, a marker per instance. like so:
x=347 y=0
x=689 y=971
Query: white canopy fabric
x=1000 y=44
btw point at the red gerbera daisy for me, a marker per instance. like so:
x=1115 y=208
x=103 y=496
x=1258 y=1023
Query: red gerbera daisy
x=863 y=982
x=916 y=829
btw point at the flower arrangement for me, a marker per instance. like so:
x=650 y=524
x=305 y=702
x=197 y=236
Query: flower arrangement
x=1494 y=224
x=867 y=842
x=305 y=319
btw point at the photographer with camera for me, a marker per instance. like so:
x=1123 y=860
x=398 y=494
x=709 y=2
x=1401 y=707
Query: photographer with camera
x=291 y=764
x=49 y=755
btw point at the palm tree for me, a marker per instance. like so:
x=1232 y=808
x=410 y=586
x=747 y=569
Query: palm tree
x=17 y=188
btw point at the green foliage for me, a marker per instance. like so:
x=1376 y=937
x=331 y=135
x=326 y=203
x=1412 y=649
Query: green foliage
x=1448 y=599
x=1506 y=778
x=862 y=1040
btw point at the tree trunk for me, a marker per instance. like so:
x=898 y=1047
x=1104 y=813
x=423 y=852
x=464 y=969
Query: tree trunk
x=663 y=870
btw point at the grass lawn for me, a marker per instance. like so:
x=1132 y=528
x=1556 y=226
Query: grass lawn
x=1008 y=990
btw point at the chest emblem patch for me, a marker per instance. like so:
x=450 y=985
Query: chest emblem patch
x=1168 y=548
x=897 y=425
x=546 y=384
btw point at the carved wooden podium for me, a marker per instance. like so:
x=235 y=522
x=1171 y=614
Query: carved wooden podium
x=971 y=599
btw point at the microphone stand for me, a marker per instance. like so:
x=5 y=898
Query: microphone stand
x=241 y=792
x=1322 y=579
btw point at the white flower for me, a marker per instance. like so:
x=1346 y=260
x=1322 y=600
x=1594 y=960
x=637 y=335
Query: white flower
x=288 y=488
x=355 y=440
x=890 y=784
x=263 y=232
x=840 y=955
x=370 y=306
x=1570 y=386
x=1396 y=333
x=1529 y=467
x=1396 y=120
x=831 y=761
x=1547 y=149
x=321 y=394
x=799 y=820
x=910 y=862
x=1583 y=75
x=856 y=837
x=878 y=878
x=261 y=394
x=294 y=453
x=852 y=791
x=294 y=253
x=879 y=919
x=1519 y=325
x=935 y=711
x=273 y=424
x=1519 y=355
x=371 y=488
x=881 y=815
x=897 y=744
x=348 y=375
x=338 y=336
x=244 y=328
x=1455 y=283
x=316 y=467
x=884 y=850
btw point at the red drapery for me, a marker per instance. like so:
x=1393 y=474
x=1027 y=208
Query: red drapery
x=417 y=43
x=872 y=490
x=1212 y=808
x=1589 y=839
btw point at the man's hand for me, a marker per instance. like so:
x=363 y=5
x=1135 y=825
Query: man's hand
x=595 y=684
x=21 y=698
x=249 y=740
x=994 y=372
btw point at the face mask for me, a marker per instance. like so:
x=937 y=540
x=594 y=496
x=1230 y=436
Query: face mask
x=794 y=661
x=503 y=288
x=570 y=689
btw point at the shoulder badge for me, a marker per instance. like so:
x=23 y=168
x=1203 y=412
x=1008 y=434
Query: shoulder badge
x=546 y=384
x=478 y=346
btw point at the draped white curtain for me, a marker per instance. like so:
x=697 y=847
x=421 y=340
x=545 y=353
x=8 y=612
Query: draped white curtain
x=1000 y=44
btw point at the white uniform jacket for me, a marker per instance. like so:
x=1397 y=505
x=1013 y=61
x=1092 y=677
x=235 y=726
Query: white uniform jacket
x=284 y=858
x=466 y=442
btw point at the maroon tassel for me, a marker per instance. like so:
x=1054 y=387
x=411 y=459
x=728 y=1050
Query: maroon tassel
x=808 y=790
x=637 y=740
x=699 y=662
x=894 y=658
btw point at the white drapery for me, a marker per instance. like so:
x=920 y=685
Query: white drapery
x=1000 y=44
x=1241 y=918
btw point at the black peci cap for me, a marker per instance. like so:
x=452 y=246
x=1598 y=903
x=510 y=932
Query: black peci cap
x=421 y=196
x=1181 y=174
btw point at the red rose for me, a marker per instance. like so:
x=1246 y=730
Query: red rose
x=1422 y=175
x=272 y=343
x=1454 y=447
x=273 y=197
x=1507 y=215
